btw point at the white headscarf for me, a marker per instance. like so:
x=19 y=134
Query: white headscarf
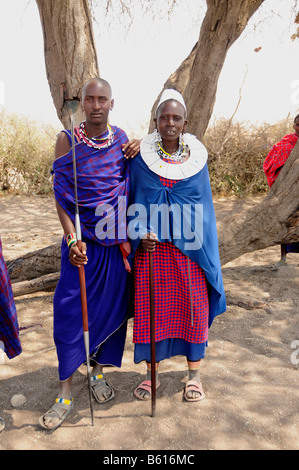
x=171 y=94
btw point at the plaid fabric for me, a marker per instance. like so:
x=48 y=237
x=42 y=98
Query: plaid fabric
x=172 y=295
x=102 y=177
x=9 y=329
x=277 y=157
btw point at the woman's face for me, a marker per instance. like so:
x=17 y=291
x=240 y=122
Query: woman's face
x=170 y=120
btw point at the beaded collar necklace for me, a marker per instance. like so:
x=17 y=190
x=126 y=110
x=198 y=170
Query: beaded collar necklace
x=197 y=158
x=96 y=142
x=178 y=156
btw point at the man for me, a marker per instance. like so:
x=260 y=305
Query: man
x=102 y=181
x=9 y=328
x=273 y=163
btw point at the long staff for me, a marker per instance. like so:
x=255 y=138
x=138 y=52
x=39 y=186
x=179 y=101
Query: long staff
x=152 y=334
x=73 y=105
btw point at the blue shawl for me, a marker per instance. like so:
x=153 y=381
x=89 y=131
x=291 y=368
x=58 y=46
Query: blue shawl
x=194 y=233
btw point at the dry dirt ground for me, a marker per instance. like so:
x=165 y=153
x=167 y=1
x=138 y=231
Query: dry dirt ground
x=250 y=373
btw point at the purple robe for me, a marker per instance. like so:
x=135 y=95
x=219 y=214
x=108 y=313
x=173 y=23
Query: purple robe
x=9 y=328
x=102 y=177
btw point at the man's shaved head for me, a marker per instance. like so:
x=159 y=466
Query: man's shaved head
x=98 y=80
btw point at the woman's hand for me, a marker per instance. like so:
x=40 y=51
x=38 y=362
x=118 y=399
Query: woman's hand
x=76 y=257
x=131 y=148
x=148 y=243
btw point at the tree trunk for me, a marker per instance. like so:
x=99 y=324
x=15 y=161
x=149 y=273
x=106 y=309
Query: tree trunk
x=70 y=53
x=274 y=221
x=198 y=75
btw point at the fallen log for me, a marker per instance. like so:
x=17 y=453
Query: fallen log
x=43 y=283
x=35 y=264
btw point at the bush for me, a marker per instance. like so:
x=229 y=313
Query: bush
x=26 y=155
x=236 y=155
x=237 y=152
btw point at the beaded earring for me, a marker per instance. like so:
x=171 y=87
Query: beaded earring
x=157 y=136
x=181 y=141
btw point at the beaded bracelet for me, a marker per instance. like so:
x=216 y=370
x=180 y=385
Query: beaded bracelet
x=71 y=239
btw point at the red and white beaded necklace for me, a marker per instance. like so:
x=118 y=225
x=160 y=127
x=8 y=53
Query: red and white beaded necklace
x=96 y=142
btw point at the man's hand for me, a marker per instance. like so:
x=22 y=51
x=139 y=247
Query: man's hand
x=131 y=148
x=76 y=257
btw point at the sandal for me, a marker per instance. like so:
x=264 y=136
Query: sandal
x=62 y=408
x=193 y=386
x=146 y=386
x=98 y=384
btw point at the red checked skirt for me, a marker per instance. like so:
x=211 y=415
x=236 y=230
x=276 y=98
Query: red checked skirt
x=173 y=317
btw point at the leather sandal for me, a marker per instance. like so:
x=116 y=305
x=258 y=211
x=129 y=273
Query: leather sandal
x=98 y=384
x=62 y=408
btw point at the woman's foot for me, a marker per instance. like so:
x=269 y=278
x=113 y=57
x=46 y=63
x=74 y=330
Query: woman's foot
x=193 y=391
x=144 y=390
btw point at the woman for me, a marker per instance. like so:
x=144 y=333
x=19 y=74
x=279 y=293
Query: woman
x=170 y=182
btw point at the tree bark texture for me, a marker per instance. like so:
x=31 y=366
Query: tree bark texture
x=35 y=264
x=42 y=283
x=197 y=77
x=70 y=54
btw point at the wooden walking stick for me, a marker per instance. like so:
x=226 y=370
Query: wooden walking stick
x=152 y=331
x=73 y=105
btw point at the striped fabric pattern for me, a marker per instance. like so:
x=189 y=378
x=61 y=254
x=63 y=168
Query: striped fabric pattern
x=9 y=328
x=103 y=178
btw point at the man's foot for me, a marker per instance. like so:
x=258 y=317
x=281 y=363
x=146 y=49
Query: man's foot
x=101 y=389
x=193 y=391
x=282 y=262
x=144 y=390
x=55 y=416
